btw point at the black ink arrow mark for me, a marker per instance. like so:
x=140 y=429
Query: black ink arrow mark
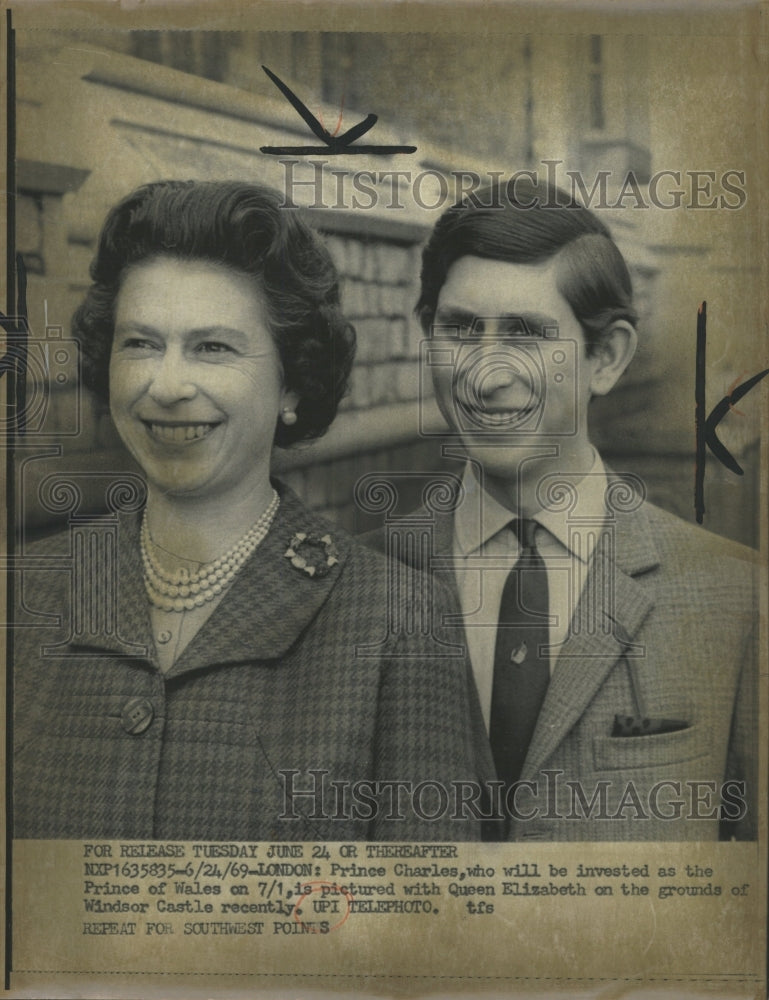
x=718 y=413
x=333 y=145
x=706 y=429
x=14 y=362
x=699 y=412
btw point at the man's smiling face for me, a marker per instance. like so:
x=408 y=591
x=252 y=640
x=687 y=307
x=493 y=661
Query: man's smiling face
x=523 y=378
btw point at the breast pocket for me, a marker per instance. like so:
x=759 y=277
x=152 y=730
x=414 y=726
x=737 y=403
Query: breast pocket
x=618 y=753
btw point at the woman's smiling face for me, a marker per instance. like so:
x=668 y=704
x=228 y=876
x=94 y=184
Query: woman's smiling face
x=195 y=378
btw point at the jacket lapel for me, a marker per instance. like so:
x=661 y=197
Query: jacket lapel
x=611 y=609
x=271 y=601
x=109 y=590
x=268 y=606
x=441 y=551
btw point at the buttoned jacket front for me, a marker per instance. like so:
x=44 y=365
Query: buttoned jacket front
x=294 y=683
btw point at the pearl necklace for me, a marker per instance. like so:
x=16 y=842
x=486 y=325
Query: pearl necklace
x=182 y=590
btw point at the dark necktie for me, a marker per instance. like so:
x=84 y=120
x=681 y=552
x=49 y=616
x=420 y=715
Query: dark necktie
x=521 y=671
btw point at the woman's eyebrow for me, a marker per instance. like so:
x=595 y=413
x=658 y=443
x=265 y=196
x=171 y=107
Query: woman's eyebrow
x=216 y=330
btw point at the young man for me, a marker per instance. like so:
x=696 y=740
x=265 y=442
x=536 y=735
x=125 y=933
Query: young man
x=611 y=643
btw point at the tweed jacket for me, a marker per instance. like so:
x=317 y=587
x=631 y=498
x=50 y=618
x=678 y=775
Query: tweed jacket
x=665 y=631
x=293 y=683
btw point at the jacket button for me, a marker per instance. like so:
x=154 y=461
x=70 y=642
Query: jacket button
x=137 y=715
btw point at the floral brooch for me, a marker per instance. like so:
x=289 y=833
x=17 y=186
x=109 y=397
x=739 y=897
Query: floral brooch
x=313 y=555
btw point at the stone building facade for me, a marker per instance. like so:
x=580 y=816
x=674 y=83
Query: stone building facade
x=99 y=113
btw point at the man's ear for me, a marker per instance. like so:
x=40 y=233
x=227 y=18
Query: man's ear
x=612 y=354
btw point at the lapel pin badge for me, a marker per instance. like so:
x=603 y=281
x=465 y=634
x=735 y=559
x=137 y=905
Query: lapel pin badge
x=519 y=654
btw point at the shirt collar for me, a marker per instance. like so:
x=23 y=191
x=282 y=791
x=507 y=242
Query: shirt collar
x=479 y=517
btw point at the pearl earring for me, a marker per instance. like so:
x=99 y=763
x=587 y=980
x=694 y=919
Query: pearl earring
x=288 y=416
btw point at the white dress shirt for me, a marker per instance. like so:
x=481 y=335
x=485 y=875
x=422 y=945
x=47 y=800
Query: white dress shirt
x=486 y=549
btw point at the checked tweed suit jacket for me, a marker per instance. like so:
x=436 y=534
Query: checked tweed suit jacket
x=665 y=629
x=277 y=680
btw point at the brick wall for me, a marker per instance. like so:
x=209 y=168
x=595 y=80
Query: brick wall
x=66 y=188
x=92 y=125
x=378 y=288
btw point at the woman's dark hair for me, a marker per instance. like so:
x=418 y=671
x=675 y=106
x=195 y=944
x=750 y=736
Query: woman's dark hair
x=244 y=227
x=531 y=223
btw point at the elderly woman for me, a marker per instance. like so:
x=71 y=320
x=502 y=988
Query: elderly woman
x=213 y=329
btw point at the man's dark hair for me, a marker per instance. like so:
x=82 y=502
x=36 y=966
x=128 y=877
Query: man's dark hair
x=532 y=224
x=243 y=227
